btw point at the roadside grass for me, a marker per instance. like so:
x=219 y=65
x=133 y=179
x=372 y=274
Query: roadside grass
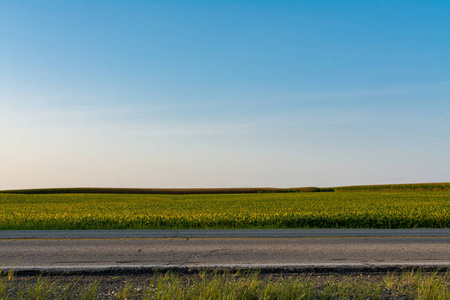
x=355 y=209
x=240 y=285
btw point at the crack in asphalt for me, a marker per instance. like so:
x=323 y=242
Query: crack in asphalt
x=174 y=261
x=187 y=259
x=204 y=255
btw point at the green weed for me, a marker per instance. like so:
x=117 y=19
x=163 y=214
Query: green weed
x=241 y=285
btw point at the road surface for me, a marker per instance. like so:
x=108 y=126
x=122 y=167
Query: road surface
x=234 y=249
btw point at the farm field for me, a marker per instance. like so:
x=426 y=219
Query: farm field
x=403 y=207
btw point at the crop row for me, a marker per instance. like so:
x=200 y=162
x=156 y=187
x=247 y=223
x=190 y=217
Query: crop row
x=190 y=191
x=290 y=210
x=170 y=191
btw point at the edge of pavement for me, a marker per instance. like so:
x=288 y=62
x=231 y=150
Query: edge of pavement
x=192 y=269
x=222 y=233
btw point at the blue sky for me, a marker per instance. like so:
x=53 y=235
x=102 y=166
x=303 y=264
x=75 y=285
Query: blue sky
x=223 y=93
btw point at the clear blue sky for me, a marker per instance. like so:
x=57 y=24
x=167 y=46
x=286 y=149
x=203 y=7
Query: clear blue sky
x=223 y=93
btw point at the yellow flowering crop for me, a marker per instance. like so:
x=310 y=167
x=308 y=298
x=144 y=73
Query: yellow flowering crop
x=357 y=209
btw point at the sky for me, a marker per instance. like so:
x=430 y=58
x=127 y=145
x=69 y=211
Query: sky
x=223 y=93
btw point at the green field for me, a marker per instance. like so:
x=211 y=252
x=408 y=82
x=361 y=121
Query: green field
x=403 y=207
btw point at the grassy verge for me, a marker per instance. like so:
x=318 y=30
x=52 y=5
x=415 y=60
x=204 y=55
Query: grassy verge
x=406 y=285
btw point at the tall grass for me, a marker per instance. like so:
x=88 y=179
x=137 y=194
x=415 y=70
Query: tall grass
x=241 y=285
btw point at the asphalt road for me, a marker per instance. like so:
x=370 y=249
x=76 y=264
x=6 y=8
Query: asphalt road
x=238 y=249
